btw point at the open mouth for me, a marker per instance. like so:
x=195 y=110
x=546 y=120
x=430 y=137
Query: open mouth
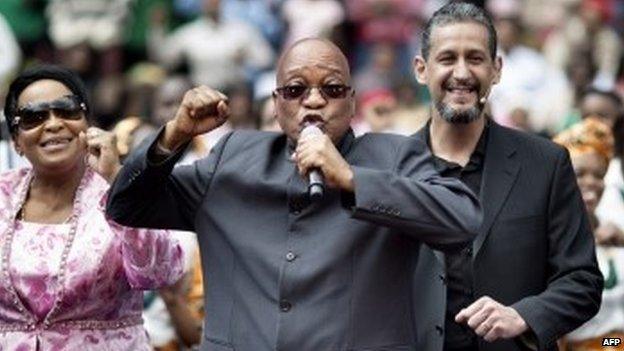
x=312 y=119
x=461 y=90
x=55 y=143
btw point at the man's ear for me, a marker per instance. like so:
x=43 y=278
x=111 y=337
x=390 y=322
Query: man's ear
x=420 y=70
x=352 y=107
x=498 y=69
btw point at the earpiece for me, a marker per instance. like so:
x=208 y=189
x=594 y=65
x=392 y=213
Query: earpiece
x=485 y=96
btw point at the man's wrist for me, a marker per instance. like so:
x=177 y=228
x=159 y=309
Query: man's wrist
x=348 y=184
x=172 y=140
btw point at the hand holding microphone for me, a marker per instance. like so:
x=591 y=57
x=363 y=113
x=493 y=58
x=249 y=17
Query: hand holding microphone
x=316 y=181
x=317 y=158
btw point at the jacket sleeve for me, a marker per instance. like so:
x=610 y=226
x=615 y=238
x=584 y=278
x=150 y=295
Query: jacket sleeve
x=416 y=200
x=152 y=194
x=575 y=284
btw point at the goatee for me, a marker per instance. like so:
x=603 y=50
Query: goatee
x=458 y=116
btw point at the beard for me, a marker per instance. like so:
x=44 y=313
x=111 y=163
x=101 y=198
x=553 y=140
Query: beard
x=458 y=116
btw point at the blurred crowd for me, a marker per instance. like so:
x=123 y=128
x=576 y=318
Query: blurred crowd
x=126 y=50
x=562 y=61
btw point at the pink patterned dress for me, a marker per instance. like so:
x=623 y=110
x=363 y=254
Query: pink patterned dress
x=77 y=286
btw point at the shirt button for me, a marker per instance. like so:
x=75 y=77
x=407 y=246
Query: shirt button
x=442 y=278
x=439 y=329
x=296 y=212
x=285 y=306
x=290 y=256
x=469 y=251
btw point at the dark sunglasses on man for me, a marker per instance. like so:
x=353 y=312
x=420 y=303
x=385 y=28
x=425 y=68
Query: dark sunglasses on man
x=329 y=91
x=34 y=114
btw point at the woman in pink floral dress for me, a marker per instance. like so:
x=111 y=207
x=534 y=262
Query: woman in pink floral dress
x=70 y=279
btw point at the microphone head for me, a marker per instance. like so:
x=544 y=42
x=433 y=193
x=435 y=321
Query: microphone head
x=311 y=129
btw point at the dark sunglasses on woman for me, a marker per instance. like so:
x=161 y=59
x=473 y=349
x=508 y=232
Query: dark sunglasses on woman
x=329 y=91
x=34 y=114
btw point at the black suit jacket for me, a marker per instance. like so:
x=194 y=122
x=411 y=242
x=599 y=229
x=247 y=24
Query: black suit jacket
x=281 y=273
x=534 y=250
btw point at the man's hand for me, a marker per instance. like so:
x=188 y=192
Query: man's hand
x=318 y=151
x=609 y=235
x=102 y=155
x=202 y=110
x=492 y=320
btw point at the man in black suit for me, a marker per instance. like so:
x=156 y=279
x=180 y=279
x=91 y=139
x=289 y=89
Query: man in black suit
x=530 y=276
x=282 y=272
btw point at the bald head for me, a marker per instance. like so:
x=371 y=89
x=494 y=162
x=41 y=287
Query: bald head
x=315 y=52
x=319 y=71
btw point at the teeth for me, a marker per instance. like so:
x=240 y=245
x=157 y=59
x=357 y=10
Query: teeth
x=56 y=142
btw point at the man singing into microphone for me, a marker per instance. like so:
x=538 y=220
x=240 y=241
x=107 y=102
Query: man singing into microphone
x=283 y=272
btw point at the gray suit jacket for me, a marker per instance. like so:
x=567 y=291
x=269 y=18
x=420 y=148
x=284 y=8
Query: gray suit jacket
x=534 y=250
x=281 y=273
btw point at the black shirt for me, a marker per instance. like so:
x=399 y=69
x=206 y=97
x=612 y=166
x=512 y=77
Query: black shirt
x=458 y=262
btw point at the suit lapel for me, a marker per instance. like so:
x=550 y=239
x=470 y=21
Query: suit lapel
x=500 y=172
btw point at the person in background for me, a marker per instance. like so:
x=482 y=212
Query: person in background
x=268 y=119
x=11 y=57
x=96 y=25
x=265 y=15
x=376 y=110
x=604 y=104
x=311 y=18
x=71 y=277
x=590 y=144
x=220 y=53
x=610 y=210
x=382 y=70
x=166 y=102
x=587 y=28
x=184 y=303
x=528 y=81
x=129 y=132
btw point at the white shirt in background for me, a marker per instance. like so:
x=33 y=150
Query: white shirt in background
x=610 y=317
x=611 y=206
x=311 y=18
x=218 y=54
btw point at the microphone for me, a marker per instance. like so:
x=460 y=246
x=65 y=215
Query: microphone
x=316 y=181
x=485 y=96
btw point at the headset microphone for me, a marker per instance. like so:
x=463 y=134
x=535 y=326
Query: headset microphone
x=485 y=96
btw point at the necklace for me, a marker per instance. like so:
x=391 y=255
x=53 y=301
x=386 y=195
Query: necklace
x=6 y=248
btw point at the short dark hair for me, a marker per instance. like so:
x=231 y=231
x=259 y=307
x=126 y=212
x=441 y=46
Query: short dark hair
x=458 y=12
x=618 y=127
x=608 y=94
x=60 y=74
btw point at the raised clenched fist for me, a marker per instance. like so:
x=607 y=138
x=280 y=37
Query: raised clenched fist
x=202 y=110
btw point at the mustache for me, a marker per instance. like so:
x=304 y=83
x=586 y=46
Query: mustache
x=471 y=84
